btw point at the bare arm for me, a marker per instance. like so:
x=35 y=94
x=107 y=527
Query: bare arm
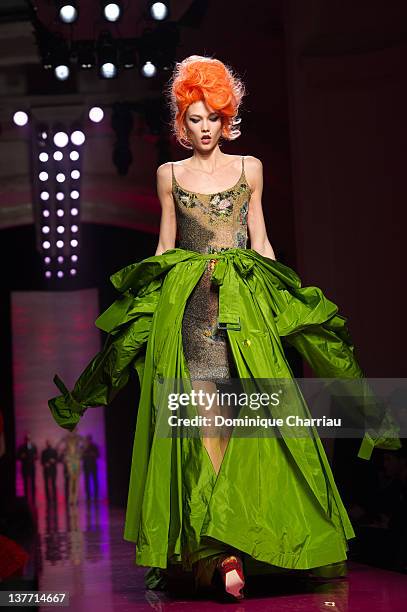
x=168 y=224
x=255 y=220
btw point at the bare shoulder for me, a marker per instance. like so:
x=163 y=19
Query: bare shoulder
x=164 y=169
x=164 y=177
x=253 y=163
x=254 y=172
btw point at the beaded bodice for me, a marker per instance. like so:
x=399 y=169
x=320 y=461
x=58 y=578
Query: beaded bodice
x=212 y=222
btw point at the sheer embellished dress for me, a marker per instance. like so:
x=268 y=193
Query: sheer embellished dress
x=208 y=223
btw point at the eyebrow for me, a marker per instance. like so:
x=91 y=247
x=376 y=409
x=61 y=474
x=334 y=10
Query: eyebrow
x=195 y=115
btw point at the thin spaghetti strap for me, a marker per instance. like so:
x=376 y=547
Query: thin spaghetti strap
x=173 y=175
x=243 y=173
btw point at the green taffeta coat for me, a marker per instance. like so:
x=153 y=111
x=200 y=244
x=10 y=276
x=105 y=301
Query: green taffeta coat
x=274 y=498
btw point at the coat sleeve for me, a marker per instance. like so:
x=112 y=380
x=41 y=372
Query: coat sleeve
x=128 y=322
x=331 y=355
x=310 y=322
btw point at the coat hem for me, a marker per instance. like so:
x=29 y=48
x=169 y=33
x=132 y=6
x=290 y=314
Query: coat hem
x=307 y=559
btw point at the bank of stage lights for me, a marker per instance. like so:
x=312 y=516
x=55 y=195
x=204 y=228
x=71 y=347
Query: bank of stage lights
x=56 y=167
x=107 y=53
x=68 y=12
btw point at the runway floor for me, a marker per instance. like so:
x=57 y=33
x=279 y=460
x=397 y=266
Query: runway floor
x=82 y=552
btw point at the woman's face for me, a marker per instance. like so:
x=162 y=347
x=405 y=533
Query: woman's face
x=201 y=120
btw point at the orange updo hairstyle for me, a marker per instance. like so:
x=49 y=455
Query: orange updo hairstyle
x=210 y=80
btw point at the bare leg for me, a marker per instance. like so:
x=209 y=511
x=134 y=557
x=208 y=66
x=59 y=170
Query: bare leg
x=227 y=412
x=215 y=440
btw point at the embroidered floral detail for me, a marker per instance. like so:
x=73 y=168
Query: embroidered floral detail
x=218 y=218
x=187 y=199
x=243 y=213
x=220 y=207
x=212 y=249
x=241 y=239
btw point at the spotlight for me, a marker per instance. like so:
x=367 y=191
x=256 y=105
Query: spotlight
x=60 y=212
x=74 y=212
x=48 y=273
x=74 y=258
x=158 y=10
x=111 y=11
x=107 y=56
x=20 y=118
x=45 y=212
x=43 y=176
x=60 y=244
x=60 y=273
x=44 y=195
x=60 y=229
x=62 y=72
x=46 y=244
x=45 y=229
x=75 y=174
x=58 y=156
x=78 y=138
x=108 y=70
x=74 y=243
x=47 y=259
x=60 y=259
x=72 y=271
x=148 y=69
x=96 y=114
x=67 y=11
x=60 y=177
x=74 y=155
x=60 y=196
x=61 y=139
x=74 y=194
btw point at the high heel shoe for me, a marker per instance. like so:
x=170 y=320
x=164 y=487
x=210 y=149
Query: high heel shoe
x=231 y=570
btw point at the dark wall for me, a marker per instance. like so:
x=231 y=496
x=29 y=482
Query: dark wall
x=347 y=99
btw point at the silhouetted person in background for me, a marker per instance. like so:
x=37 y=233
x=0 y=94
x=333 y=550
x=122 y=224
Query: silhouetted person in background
x=49 y=459
x=27 y=454
x=89 y=457
x=72 y=459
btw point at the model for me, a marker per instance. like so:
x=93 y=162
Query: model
x=209 y=312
